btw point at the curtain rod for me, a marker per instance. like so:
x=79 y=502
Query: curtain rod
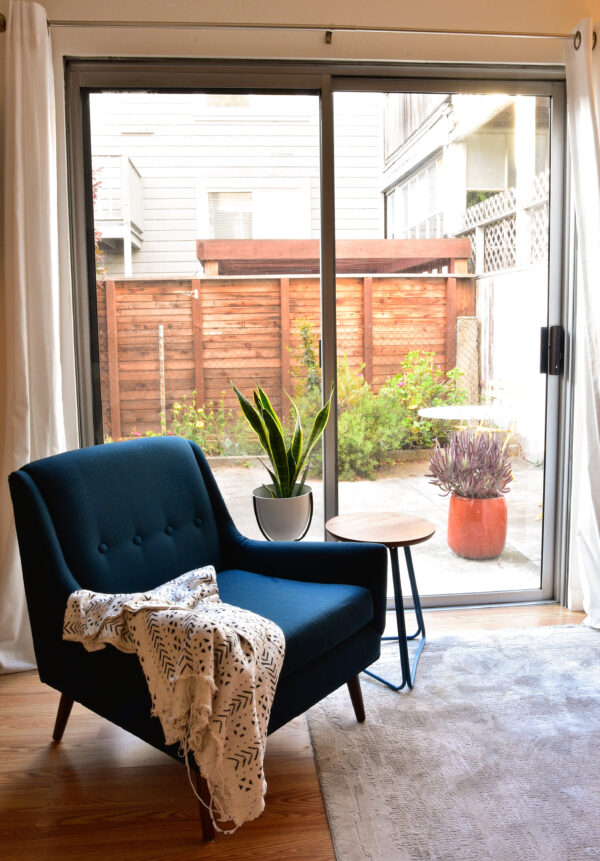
x=327 y=29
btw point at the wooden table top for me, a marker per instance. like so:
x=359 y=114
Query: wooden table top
x=381 y=527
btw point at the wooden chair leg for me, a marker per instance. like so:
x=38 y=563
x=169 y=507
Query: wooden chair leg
x=208 y=829
x=357 y=699
x=62 y=716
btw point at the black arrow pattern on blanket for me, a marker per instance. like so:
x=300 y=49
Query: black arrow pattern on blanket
x=244 y=757
x=158 y=632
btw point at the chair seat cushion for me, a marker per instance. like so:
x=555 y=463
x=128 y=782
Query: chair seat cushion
x=314 y=617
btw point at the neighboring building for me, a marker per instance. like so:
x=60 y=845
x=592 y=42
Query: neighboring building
x=477 y=166
x=446 y=154
x=174 y=168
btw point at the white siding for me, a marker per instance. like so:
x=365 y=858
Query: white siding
x=358 y=119
x=182 y=146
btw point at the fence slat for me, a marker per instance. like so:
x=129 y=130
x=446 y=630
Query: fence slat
x=113 y=361
x=368 y=327
x=286 y=376
x=197 y=337
x=451 y=320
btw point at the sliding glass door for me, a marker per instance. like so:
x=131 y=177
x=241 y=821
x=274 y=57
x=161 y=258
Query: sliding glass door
x=206 y=224
x=293 y=227
x=443 y=285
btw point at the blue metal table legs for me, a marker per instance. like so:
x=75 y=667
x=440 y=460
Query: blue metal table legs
x=408 y=672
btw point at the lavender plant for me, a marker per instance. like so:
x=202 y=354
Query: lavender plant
x=473 y=464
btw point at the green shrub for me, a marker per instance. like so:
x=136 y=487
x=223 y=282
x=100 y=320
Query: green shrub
x=420 y=384
x=361 y=425
x=240 y=438
x=311 y=380
x=358 y=435
x=363 y=431
x=373 y=427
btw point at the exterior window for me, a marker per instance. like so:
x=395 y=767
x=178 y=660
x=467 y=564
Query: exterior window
x=230 y=214
x=414 y=208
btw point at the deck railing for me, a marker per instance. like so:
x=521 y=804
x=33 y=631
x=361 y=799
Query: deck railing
x=507 y=231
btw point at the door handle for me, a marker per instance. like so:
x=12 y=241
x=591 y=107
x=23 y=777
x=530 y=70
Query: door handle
x=552 y=350
x=544 y=350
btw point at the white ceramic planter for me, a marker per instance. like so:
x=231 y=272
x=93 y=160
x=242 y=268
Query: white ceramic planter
x=283 y=519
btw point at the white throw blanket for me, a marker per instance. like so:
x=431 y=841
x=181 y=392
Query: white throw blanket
x=211 y=669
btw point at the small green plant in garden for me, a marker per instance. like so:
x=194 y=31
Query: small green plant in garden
x=363 y=425
x=206 y=425
x=308 y=358
x=98 y=252
x=420 y=384
x=307 y=375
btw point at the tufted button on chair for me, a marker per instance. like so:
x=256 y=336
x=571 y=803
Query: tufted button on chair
x=129 y=516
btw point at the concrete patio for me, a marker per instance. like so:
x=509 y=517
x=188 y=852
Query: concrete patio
x=405 y=488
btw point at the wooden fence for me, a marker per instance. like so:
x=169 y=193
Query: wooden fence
x=245 y=330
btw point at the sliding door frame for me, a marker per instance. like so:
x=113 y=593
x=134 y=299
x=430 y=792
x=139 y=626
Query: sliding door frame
x=86 y=76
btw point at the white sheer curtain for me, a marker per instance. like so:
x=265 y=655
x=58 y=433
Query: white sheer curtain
x=31 y=406
x=583 y=108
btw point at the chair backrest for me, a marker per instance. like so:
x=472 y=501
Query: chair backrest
x=125 y=516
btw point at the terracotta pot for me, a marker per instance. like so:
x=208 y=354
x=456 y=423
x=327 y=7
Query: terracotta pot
x=477 y=527
x=285 y=519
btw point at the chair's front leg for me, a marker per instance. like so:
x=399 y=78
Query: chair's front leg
x=62 y=716
x=208 y=829
x=357 y=699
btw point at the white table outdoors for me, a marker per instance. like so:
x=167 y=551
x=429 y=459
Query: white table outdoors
x=468 y=413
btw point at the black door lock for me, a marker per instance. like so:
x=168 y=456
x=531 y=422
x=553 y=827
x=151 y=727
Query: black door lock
x=552 y=350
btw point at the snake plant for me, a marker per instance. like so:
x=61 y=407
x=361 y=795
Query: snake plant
x=289 y=462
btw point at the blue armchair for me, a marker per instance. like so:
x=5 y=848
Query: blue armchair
x=131 y=515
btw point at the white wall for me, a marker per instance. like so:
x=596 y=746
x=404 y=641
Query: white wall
x=512 y=307
x=511 y=16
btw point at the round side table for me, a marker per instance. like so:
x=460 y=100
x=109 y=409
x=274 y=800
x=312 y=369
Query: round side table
x=393 y=530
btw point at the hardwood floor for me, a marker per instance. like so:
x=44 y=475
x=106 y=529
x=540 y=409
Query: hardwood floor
x=102 y=795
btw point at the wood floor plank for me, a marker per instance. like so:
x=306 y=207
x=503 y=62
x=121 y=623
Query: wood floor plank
x=103 y=795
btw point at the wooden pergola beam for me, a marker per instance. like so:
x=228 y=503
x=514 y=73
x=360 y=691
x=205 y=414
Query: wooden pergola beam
x=410 y=251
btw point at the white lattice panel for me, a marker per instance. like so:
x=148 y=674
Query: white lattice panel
x=500 y=244
x=538 y=225
x=497 y=217
x=540 y=187
x=493 y=208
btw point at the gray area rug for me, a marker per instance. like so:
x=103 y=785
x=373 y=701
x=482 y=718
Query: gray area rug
x=495 y=754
